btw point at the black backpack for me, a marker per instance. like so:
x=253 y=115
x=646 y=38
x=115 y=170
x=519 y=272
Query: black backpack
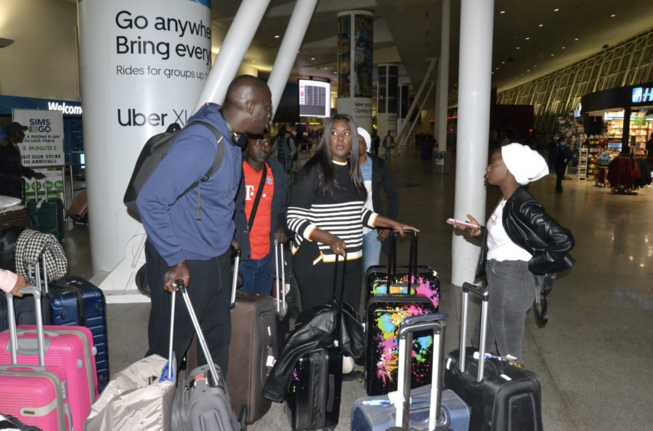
x=155 y=149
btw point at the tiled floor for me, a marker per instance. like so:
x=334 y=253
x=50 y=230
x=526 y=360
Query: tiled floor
x=594 y=356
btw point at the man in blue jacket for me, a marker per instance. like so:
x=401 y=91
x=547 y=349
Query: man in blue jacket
x=182 y=247
x=255 y=233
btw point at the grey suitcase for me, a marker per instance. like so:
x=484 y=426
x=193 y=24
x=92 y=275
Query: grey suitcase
x=202 y=403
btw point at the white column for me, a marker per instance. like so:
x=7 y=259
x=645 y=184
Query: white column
x=137 y=79
x=418 y=96
x=292 y=40
x=234 y=46
x=443 y=79
x=473 y=129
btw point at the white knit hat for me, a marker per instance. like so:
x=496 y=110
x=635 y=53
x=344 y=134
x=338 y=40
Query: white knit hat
x=524 y=164
x=362 y=133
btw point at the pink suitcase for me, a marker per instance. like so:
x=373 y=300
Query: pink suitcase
x=36 y=395
x=68 y=349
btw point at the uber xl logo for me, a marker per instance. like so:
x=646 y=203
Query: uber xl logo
x=641 y=95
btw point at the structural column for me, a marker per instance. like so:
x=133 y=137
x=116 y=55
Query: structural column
x=234 y=46
x=443 y=79
x=387 y=100
x=143 y=65
x=475 y=67
x=355 y=68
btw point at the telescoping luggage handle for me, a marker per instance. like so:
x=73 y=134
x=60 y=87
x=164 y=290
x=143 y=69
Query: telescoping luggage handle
x=234 y=280
x=279 y=268
x=435 y=322
x=217 y=381
x=38 y=279
x=483 y=294
x=13 y=333
x=412 y=258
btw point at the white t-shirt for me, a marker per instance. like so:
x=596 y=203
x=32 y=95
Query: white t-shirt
x=500 y=247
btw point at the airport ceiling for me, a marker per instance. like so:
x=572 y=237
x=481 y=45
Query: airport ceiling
x=531 y=37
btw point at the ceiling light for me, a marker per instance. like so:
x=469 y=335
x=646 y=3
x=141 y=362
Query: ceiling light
x=556 y=10
x=576 y=39
x=541 y=25
x=503 y=11
x=517 y=48
x=312 y=58
x=563 y=47
x=613 y=15
x=552 y=55
x=503 y=62
x=528 y=38
x=276 y=36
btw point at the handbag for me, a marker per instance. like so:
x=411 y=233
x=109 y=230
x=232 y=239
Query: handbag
x=140 y=397
x=543 y=285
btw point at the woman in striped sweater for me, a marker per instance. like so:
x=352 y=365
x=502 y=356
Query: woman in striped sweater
x=327 y=213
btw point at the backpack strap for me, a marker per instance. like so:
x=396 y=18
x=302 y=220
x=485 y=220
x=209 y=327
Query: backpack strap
x=219 y=157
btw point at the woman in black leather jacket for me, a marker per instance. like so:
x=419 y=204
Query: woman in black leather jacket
x=523 y=248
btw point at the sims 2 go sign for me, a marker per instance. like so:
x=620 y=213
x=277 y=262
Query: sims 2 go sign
x=39 y=125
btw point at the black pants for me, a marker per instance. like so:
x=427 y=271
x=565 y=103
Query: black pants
x=560 y=175
x=209 y=291
x=316 y=281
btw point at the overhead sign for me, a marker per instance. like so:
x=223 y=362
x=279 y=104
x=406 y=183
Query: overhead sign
x=642 y=95
x=43 y=143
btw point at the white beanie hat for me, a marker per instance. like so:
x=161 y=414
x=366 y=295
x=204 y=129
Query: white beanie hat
x=524 y=164
x=362 y=133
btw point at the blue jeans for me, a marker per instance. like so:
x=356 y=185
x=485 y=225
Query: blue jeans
x=256 y=276
x=371 y=250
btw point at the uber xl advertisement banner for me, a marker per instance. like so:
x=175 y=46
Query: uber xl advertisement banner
x=143 y=65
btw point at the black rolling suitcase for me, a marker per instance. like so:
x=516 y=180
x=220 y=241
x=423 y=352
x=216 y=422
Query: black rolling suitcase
x=314 y=391
x=313 y=397
x=502 y=396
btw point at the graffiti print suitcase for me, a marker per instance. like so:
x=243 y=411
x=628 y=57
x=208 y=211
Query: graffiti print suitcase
x=36 y=395
x=75 y=301
x=384 y=315
x=411 y=279
x=429 y=407
x=502 y=396
x=314 y=392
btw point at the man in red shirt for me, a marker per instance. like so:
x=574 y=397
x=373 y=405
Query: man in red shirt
x=263 y=190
